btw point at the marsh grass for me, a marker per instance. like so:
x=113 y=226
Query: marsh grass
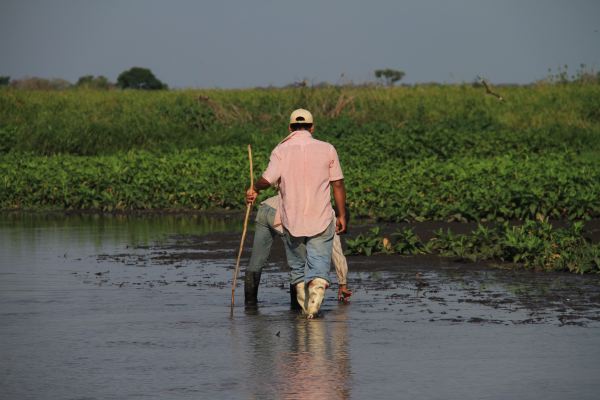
x=93 y=122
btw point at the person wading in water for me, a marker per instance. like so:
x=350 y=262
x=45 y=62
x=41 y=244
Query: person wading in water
x=305 y=169
x=265 y=232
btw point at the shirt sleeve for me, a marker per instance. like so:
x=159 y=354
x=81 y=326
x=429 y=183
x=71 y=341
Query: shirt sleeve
x=273 y=171
x=335 y=169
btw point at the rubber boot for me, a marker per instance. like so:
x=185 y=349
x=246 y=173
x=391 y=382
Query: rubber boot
x=301 y=296
x=251 y=283
x=316 y=294
x=293 y=300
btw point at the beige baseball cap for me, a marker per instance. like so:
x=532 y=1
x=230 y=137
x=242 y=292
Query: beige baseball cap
x=301 y=116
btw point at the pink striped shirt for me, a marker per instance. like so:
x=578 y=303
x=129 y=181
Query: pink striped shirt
x=304 y=166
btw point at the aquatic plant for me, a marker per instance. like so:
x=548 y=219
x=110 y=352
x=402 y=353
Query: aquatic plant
x=534 y=244
x=367 y=244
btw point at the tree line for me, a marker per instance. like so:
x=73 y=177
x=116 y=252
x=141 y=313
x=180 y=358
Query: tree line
x=133 y=78
x=144 y=79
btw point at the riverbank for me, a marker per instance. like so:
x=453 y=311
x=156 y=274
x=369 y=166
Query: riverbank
x=451 y=241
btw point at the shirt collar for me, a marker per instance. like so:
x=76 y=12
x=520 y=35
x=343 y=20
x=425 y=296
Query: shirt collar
x=302 y=133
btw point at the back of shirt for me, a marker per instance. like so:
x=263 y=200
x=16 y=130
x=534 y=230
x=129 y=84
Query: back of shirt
x=304 y=167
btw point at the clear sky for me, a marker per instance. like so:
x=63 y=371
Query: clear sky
x=247 y=43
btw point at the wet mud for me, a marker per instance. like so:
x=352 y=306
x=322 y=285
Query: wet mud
x=138 y=306
x=424 y=287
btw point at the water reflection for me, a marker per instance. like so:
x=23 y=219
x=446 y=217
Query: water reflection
x=319 y=364
x=26 y=230
x=298 y=358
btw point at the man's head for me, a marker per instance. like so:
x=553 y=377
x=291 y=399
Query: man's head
x=300 y=120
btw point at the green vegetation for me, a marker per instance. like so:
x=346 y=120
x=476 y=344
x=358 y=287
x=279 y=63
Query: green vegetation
x=429 y=152
x=131 y=181
x=499 y=188
x=434 y=152
x=407 y=122
x=535 y=244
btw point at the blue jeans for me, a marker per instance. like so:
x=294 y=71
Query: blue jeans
x=263 y=238
x=309 y=257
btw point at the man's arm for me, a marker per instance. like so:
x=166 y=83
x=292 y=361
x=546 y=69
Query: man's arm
x=272 y=174
x=339 y=197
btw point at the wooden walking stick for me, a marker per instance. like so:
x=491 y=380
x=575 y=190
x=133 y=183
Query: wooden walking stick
x=248 y=209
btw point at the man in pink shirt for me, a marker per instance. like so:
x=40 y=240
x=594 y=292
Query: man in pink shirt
x=305 y=168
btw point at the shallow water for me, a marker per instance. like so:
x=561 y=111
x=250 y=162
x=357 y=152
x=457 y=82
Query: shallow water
x=97 y=307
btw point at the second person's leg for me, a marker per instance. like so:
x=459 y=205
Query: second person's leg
x=261 y=248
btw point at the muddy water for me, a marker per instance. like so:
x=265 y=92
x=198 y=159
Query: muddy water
x=138 y=307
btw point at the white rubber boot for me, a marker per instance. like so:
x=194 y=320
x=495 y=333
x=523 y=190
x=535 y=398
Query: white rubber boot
x=316 y=294
x=301 y=295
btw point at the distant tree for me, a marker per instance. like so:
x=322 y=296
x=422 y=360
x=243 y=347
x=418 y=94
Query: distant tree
x=91 y=82
x=139 y=78
x=389 y=76
x=4 y=80
x=84 y=80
